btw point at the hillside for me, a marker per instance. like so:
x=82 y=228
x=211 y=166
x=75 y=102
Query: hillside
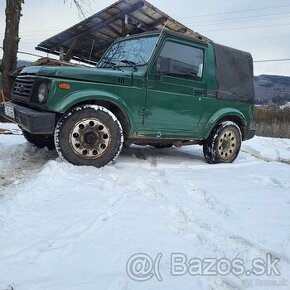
x=268 y=87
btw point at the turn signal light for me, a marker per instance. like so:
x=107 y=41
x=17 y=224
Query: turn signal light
x=64 y=86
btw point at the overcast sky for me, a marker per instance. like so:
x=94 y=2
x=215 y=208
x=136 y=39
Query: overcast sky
x=264 y=31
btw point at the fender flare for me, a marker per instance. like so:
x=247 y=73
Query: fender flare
x=230 y=114
x=83 y=96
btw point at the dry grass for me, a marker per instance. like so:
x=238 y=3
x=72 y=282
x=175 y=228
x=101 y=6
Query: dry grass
x=272 y=121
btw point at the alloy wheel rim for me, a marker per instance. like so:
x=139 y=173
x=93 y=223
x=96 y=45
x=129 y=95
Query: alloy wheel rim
x=228 y=144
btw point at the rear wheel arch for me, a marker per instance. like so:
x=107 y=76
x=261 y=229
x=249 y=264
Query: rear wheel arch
x=236 y=118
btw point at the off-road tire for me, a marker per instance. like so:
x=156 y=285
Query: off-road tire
x=40 y=141
x=223 y=144
x=89 y=135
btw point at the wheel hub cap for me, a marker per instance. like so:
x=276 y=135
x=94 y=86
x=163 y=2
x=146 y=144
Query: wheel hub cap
x=90 y=138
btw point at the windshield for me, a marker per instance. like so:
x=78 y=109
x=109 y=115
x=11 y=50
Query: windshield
x=129 y=53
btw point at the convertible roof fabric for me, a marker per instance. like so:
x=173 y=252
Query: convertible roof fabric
x=234 y=74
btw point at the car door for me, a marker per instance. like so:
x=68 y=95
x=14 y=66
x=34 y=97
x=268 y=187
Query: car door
x=175 y=89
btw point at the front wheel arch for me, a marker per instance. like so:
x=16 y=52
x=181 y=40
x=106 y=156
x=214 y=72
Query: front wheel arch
x=112 y=107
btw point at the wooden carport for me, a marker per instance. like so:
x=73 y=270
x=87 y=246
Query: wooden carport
x=89 y=39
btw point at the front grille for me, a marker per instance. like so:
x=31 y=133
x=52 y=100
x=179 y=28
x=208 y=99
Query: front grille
x=22 y=90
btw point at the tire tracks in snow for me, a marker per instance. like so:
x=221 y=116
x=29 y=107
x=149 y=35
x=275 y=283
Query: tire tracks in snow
x=187 y=225
x=182 y=214
x=78 y=228
x=63 y=240
x=198 y=232
x=258 y=155
x=258 y=246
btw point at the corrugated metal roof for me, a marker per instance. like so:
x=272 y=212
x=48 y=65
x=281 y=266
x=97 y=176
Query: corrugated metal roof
x=89 y=39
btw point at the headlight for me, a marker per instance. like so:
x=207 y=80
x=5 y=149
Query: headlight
x=43 y=93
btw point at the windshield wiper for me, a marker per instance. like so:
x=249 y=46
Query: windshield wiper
x=130 y=63
x=111 y=64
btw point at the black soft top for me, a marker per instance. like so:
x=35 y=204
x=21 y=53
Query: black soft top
x=234 y=74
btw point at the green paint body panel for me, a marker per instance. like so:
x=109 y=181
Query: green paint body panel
x=155 y=105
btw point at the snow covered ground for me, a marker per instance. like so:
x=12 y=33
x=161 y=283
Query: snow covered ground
x=66 y=227
x=285 y=106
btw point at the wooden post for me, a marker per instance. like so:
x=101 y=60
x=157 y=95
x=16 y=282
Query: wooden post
x=69 y=53
x=125 y=25
x=92 y=49
x=61 y=54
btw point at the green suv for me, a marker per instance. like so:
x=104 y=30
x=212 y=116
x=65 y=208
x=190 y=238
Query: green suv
x=160 y=88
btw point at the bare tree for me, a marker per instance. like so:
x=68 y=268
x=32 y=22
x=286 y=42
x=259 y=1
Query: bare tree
x=10 y=43
x=83 y=6
x=11 y=39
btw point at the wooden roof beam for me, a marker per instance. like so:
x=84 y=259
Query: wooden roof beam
x=118 y=16
x=68 y=55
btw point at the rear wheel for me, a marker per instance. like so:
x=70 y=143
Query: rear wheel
x=89 y=135
x=224 y=143
x=40 y=141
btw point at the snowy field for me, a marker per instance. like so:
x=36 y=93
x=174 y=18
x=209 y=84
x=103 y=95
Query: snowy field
x=74 y=228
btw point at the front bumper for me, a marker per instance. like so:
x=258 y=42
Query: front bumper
x=35 y=122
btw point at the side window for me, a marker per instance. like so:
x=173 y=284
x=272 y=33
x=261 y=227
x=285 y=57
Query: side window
x=181 y=61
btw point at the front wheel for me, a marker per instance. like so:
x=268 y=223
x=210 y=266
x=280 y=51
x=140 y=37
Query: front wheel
x=89 y=135
x=224 y=143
